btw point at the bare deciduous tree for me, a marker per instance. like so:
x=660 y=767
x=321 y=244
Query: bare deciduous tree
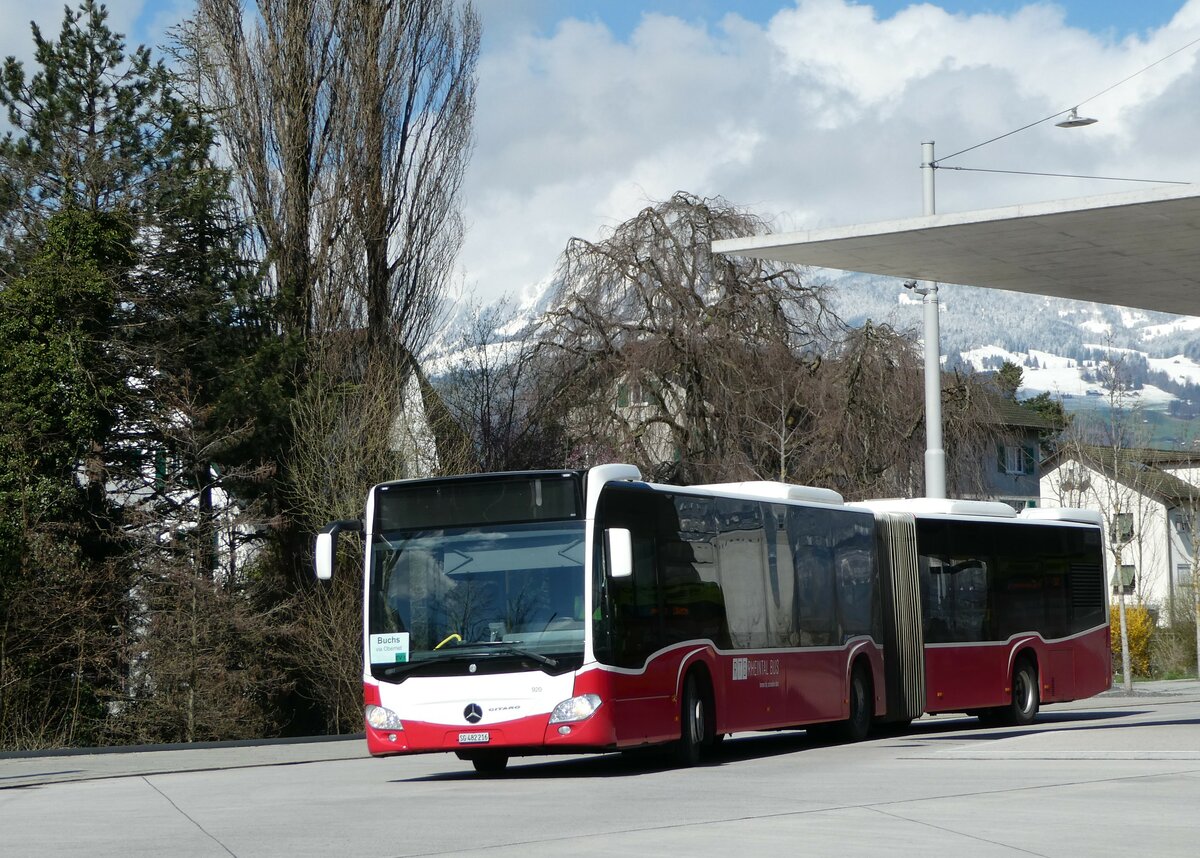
x=406 y=95
x=490 y=388
x=271 y=76
x=649 y=311
x=702 y=367
x=357 y=422
x=349 y=123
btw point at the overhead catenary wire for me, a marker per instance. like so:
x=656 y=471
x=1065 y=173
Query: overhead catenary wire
x=1066 y=175
x=1055 y=115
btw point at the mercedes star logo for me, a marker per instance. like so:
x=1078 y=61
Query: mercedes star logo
x=473 y=713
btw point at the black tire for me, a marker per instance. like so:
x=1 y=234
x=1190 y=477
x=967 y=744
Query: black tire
x=490 y=763
x=862 y=709
x=895 y=728
x=990 y=717
x=824 y=734
x=695 y=724
x=1023 y=708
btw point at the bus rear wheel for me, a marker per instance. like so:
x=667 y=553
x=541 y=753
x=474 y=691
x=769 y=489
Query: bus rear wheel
x=1023 y=708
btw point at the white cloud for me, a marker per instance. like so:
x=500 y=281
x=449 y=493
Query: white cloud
x=816 y=118
x=16 y=39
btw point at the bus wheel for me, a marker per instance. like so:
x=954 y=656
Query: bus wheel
x=694 y=724
x=858 y=725
x=489 y=763
x=1024 y=706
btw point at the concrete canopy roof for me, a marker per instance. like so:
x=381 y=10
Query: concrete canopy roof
x=1139 y=249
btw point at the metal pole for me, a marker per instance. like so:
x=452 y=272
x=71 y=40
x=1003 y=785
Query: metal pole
x=935 y=456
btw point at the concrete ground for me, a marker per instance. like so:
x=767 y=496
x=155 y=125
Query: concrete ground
x=1109 y=775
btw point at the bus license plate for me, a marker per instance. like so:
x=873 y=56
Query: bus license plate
x=474 y=738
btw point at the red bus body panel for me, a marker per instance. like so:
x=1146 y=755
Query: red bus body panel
x=966 y=677
x=754 y=690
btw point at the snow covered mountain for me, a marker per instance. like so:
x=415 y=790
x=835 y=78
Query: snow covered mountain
x=1060 y=344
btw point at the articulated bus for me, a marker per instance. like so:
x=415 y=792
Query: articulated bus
x=567 y=611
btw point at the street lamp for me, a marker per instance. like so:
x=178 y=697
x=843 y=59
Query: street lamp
x=1074 y=120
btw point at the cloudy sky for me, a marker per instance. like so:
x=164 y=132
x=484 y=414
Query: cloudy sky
x=810 y=112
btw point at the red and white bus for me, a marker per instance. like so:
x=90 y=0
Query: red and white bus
x=566 y=611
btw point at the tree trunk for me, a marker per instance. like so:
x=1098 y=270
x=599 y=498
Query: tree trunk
x=1126 y=668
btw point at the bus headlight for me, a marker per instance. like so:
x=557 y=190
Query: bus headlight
x=382 y=719
x=575 y=709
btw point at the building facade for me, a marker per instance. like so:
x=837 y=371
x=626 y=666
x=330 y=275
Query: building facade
x=1148 y=500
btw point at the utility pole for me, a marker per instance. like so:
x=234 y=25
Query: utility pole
x=935 y=456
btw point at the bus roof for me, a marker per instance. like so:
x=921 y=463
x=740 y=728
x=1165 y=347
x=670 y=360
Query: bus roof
x=771 y=490
x=1082 y=516
x=980 y=509
x=940 y=506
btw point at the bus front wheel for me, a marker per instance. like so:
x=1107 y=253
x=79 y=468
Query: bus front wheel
x=858 y=725
x=695 y=723
x=489 y=763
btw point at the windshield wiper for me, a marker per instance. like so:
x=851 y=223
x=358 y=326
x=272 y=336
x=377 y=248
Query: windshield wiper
x=506 y=647
x=492 y=649
x=510 y=648
x=414 y=666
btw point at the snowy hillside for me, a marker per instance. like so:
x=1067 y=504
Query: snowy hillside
x=1059 y=343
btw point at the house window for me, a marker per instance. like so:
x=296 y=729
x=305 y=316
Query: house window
x=1183 y=574
x=1125 y=581
x=631 y=394
x=1121 y=527
x=1015 y=459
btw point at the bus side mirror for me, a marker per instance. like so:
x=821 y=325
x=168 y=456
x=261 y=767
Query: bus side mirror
x=325 y=550
x=619 y=543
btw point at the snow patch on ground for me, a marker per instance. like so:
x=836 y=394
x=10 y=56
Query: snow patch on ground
x=1062 y=377
x=1184 y=323
x=1096 y=326
x=1178 y=368
x=976 y=357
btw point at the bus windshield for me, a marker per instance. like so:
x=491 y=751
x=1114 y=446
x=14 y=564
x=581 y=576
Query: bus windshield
x=477 y=599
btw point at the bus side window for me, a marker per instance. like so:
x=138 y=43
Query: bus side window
x=694 y=605
x=741 y=560
x=854 y=566
x=936 y=606
x=954 y=596
x=970 y=577
x=815 y=606
x=782 y=618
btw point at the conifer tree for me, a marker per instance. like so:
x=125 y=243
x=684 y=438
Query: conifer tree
x=132 y=379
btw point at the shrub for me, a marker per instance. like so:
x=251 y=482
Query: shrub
x=1173 y=652
x=1140 y=623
